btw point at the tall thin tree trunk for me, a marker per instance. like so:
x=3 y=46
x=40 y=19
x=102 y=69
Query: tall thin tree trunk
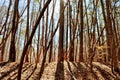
x=67 y=34
x=51 y=46
x=27 y=29
x=81 y=32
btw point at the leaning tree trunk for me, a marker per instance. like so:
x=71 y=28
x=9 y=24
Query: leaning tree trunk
x=30 y=39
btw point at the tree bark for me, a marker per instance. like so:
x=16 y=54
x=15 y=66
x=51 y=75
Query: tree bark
x=12 y=53
x=61 y=33
x=81 y=32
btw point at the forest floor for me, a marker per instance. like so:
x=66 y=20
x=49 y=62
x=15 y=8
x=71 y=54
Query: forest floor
x=58 y=71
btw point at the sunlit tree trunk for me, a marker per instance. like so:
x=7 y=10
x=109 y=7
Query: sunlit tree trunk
x=70 y=25
x=66 y=51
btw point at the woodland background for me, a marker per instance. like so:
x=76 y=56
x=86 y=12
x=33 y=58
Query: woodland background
x=45 y=31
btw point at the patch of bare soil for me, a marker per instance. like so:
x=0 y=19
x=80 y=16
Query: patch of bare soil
x=58 y=71
x=77 y=71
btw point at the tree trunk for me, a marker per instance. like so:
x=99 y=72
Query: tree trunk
x=12 y=53
x=81 y=32
x=61 y=33
x=52 y=22
x=27 y=29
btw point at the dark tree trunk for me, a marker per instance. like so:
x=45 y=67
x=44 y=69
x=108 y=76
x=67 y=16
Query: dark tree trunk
x=81 y=32
x=12 y=53
x=61 y=33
